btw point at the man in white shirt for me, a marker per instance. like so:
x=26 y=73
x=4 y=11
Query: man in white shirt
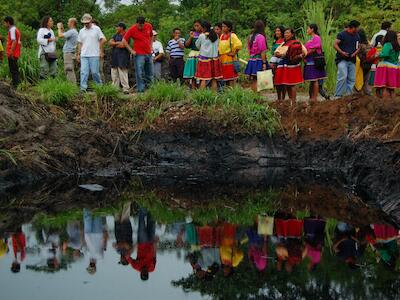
x=90 y=47
x=378 y=37
x=158 y=55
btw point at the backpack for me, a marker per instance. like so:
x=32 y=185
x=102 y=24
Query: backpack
x=294 y=53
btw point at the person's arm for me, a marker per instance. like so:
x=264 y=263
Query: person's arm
x=112 y=43
x=78 y=51
x=264 y=59
x=385 y=51
x=13 y=37
x=336 y=245
x=41 y=40
x=337 y=48
x=199 y=41
x=190 y=39
x=127 y=46
x=60 y=31
x=181 y=43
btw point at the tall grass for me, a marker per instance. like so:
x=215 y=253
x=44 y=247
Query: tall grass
x=28 y=65
x=162 y=91
x=314 y=12
x=57 y=91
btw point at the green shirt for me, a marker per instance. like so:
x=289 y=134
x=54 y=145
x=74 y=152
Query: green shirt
x=389 y=54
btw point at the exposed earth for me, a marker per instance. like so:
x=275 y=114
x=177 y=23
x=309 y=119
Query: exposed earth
x=357 y=139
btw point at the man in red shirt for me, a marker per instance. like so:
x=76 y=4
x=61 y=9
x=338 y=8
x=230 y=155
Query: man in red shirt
x=13 y=49
x=141 y=33
x=145 y=261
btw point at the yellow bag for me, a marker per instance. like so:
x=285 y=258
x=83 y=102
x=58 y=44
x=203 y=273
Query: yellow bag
x=265 y=80
x=265 y=225
x=359 y=76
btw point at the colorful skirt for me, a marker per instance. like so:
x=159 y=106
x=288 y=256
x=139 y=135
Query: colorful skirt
x=191 y=65
x=254 y=65
x=228 y=69
x=387 y=75
x=311 y=73
x=288 y=74
x=292 y=228
x=208 y=68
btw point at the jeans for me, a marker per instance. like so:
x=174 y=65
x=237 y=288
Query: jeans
x=13 y=66
x=157 y=70
x=147 y=228
x=90 y=65
x=346 y=78
x=144 y=71
x=92 y=224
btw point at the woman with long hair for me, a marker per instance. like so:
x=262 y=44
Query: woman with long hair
x=288 y=72
x=189 y=71
x=257 y=46
x=387 y=76
x=278 y=40
x=47 y=46
x=209 y=66
x=229 y=46
x=312 y=72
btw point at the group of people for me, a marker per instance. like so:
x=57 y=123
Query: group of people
x=212 y=56
x=282 y=240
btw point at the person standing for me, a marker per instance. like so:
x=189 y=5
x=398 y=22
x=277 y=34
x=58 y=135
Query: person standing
x=101 y=64
x=193 y=57
x=378 y=37
x=288 y=71
x=274 y=61
x=229 y=46
x=47 y=49
x=69 y=48
x=119 y=59
x=312 y=71
x=257 y=46
x=176 y=51
x=90 y=46
x=141 y=33
x=209 y=66
x=13 y=49
x=347 y=47
x=158 y=56
x=387 y=77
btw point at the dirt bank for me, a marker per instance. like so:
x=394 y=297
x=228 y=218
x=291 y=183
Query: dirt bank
x=354 y=138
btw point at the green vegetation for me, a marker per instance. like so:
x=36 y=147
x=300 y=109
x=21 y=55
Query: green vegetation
x=161 y=92
x=57 y=91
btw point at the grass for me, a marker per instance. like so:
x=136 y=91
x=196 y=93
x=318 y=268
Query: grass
x=161 y=92
x=8 y=155
x=57 y=91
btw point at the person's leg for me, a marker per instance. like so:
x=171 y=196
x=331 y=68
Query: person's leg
x=180 y=68
x=214 y=85
x=44 y=67
x=69 y=67
x=314 y=90
x=53 y=69
x=142 y=230
x=94 y=63
x=157 y=70
x=151 y=228
x=378 y=92
x=101 y=69
x=149 y=70
x=115 y=77
x=139 y=73
x=13 y=66
x=321 y=89
x=203 y=84
x=87 y=221
x=172 y=69
x=341 y=79
x=366 y=88
x=254 y=84
x=351 y=77
x=84 y=73
x=123 y=78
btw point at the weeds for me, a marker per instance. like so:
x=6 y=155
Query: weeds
x=56 y=91
x=8 y=155
x=162 y=91
x=105 y=96
x=204 y=97
x=151 y=115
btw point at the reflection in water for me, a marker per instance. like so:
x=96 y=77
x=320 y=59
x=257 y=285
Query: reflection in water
x=280 y=254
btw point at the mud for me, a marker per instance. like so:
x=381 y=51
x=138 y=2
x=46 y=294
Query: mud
x=356 y=139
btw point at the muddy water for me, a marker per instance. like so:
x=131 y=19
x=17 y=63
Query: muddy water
x=189 y=240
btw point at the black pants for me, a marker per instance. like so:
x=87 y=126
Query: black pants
x=13 y=65
x=176 y=66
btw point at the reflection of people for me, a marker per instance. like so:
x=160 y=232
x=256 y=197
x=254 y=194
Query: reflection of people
x=95 y=238
x=257 y=249
x=19 y=247
x=231 y=254
x=346 y=245
x=123 y=233
x=145 y=261
x=384 y=239
x=75 y=239
x=314 y=231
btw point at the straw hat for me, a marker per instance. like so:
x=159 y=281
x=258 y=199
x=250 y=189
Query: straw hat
x=86 y=19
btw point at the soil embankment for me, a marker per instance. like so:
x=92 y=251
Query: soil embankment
x=357 y=138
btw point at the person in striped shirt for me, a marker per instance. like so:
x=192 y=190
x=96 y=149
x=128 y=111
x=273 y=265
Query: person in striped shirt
x=176 y=51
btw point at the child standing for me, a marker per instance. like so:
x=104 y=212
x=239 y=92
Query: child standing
x=175 y=49
x=209 y=66
x=191 y=63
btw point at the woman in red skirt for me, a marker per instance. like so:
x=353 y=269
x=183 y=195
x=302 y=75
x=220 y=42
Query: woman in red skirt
x=288 y=71
x=209 y=66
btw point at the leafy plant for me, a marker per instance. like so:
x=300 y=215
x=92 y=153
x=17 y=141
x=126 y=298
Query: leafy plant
x=204 y=97
x=56 y=91
x=105 y=96
x=151 y=115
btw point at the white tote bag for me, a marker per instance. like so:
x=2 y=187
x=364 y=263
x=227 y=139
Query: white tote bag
x=265 y=80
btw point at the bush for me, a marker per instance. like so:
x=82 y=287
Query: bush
x=106 y=92
x=238 y=96
x=57 y=91
x=162 y=91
